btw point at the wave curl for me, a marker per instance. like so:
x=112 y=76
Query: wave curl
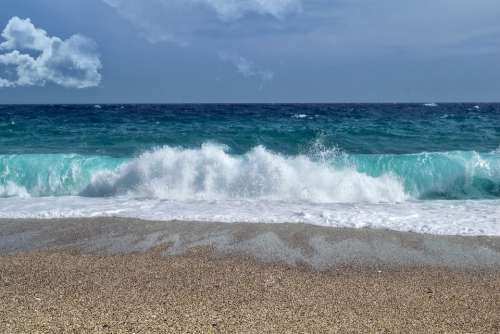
x=210 y=172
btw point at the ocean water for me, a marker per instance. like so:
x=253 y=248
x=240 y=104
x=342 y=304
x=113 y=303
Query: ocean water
x=425 y=168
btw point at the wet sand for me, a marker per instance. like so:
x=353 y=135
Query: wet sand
x=114 y=275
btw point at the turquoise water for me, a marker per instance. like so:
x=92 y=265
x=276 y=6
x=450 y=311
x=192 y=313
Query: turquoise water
x=448 y=151
x=445 y=175
x=442 y=152
x=407 y=167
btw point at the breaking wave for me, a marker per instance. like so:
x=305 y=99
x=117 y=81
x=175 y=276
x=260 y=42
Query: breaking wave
x=212 y=173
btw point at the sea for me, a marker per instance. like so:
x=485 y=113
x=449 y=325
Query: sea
x=425 y=168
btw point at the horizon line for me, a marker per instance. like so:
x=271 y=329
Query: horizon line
x=243 y=103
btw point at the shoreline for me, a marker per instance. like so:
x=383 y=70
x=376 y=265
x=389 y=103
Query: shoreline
x=321 y=248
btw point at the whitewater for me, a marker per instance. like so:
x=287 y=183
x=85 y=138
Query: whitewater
x=327 y=188
x=405 y=167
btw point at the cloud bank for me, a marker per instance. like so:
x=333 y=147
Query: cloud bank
x=33 y=58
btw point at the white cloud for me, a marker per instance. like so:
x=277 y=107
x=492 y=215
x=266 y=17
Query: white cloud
x=235 y=9
x=180 y=21
x=228 y=9
x=246 y=67
x=5 y=83
x=72 y=63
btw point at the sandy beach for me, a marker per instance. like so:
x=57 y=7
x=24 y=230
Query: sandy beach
x=128 y=276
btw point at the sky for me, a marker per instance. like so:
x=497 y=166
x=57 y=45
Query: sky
x=195 y=51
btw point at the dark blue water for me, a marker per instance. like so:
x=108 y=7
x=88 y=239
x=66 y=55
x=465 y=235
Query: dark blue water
x=449 y=151
x=127 y=130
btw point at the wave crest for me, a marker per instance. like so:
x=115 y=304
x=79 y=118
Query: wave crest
x=210 y=173
x=11 y=189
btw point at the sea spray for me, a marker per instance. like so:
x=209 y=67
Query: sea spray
x=210 y=172
x=11 y=189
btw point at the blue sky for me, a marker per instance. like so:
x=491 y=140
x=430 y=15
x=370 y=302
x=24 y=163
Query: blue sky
x=119 y=51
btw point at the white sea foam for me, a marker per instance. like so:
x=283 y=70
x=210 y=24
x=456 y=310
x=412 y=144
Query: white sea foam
x=13 y=190
x=479 y=217
x=209 y=184
x=210 y=173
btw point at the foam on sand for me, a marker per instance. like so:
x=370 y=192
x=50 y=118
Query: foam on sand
x=432 y=217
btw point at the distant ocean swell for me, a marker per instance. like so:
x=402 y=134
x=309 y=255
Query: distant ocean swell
x=210 y=172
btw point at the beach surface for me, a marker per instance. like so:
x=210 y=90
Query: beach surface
x=130 y=276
